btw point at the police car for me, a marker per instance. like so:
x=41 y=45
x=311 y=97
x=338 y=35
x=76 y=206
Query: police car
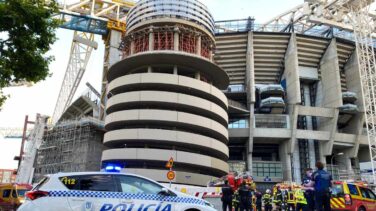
x=106 y=191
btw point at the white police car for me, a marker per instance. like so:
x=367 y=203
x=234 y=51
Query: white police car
x=104 y=191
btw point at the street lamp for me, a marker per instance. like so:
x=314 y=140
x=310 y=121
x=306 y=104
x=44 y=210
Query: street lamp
x=331 y=161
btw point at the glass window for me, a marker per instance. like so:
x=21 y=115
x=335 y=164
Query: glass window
x=89 y=182
x=353 y=190
x=21 y=192
x=371 y=194
x=6 y=193
x=364 y=193
x=136 y=185
x=337 y=190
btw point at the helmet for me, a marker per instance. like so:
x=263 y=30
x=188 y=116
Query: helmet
x=267 y=190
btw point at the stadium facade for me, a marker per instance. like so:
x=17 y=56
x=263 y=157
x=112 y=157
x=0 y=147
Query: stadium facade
x=292 y=99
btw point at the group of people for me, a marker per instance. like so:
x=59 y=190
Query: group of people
x=312 y=194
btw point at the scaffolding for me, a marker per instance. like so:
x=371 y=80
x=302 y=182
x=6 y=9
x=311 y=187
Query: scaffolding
x=70 y=146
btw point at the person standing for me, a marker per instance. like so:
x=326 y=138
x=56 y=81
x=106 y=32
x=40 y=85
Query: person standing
x=322 y=182
x=235 y=201
x=267 y=199
x=277 y=198
x=258 y=200
x=308 y=189
x=244 y=195
x=226 y=197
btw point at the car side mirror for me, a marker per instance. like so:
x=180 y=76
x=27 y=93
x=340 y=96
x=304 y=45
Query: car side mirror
x=164 y=192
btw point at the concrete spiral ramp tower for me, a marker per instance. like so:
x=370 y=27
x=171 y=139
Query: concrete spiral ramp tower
x=165 y=97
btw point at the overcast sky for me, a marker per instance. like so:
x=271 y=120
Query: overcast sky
x=41 y=98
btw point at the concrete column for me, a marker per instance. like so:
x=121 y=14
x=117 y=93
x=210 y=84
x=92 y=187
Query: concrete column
x=112 y=55
x=197 y=75
x=250 y=71
x=151 y=39
x=175 y=70
x=296 y=169
x=311 y=143
x=293 y=98
x=331 y=94
x=176 y=38
x=250 y=138
x=150 y=69
x=198 y=45
x=291 y=74
x=286 y=161
x=355 y=126
x=132 y=47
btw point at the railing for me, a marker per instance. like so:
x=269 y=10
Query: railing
x=237 y=166
x=272 y=169
x=235 y=88
x=244 y=25
x=271 y=121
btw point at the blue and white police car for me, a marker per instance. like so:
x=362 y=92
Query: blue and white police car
x=106 y=191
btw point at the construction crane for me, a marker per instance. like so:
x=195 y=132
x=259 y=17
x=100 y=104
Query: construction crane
x=350 y=19
x=87 y=18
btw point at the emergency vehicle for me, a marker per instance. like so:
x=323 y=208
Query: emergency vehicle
x=352 y=196
x=107 y=191
x=12 y=195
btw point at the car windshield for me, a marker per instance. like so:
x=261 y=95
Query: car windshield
x=337 y=190
x=21 y=192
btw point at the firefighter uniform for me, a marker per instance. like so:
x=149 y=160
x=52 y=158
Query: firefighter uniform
x=290 y=200
x=235 y=201
x=277 y=198
x=267 y=199
x=301 y=201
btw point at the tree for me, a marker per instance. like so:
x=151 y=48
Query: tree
x=27 y=30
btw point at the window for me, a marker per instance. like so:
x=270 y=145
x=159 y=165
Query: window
x=90 y=182
x=364 y=193
x=6 y=193
x=371 y=194
x=21 y=192
x=238 y=123
x=136 y=185
x=353 y=190
x=337 y=190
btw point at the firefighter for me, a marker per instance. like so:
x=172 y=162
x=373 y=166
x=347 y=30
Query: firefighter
x=235 y=201
x=267 y=199
x=290 y=199
x=301 y=201
x=277 y=198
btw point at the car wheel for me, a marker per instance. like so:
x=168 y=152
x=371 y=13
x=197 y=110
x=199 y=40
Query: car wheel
x=362 y=209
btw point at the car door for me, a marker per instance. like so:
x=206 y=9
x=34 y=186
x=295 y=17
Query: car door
x=371 y=204
x=142 y=194
x=90 y=192
x=366 y=198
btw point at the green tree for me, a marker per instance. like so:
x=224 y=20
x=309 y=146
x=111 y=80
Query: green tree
x=27 y=30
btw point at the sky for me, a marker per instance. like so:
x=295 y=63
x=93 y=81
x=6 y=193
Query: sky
x=41 y=97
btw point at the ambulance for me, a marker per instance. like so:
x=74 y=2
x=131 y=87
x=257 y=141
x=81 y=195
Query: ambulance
x=350 y=195
x=12 y=195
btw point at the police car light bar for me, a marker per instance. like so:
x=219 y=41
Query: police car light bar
x=112 y=168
